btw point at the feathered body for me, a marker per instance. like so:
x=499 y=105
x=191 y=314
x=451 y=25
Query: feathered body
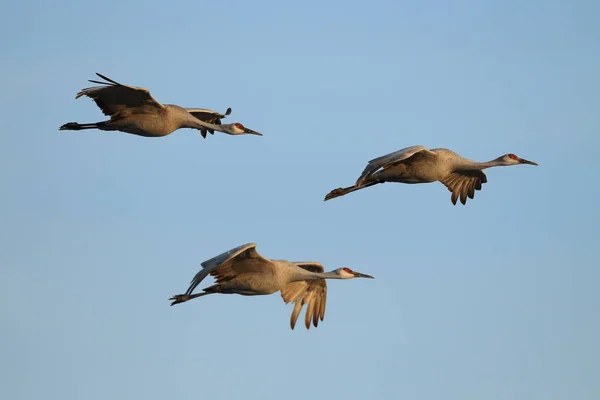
x=417 y=164
x=244 y=271
x=133 y=110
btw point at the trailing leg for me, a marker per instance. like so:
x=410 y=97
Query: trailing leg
x=182 y=298
x=74 y=126
x=343 y=191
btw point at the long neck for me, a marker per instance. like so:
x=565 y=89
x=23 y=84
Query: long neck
x=465 y=164
x=300 y=274
x=327 y=275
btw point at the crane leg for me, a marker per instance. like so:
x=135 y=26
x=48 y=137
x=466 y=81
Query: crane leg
x=182 y=298
x=74 y=126
x=343 y=191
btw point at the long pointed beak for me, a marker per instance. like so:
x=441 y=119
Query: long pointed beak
x=524 y=161
x=359 y=275
x=250 y=131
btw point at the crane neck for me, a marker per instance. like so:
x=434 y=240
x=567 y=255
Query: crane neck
x=470 y=165
x=301 y=274
x=327 y=275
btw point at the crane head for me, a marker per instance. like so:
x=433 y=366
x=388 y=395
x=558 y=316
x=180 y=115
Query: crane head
x=511 y=159
x=238 y=129
x=347 y=273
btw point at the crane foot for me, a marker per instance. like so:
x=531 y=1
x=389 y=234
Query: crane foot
x=335 y=193
x=179 y=298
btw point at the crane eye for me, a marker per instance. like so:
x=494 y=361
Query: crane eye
x=348 y=270
x=513 y=156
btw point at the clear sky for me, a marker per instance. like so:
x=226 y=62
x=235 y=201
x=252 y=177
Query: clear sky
x=494 y=300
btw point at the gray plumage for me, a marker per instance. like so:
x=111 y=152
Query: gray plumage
x=133 y=110
x=244 y=271
x=416 y=164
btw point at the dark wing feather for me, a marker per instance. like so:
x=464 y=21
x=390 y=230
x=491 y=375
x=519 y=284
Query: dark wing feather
x=227 y=265
x=210 y=116
x=313 y=293
x=311 y=266
x=114 y=98
x=463 y=184
x=390 y=159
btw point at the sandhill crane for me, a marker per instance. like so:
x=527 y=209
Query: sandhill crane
x=134 y=110
x=416 y=164
x=243 y=271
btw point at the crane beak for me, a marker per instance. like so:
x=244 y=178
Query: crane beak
x=250 y=131
x=524 y=161
x=359 y=275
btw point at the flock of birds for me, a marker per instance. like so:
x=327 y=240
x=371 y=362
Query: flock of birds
x=243 y=270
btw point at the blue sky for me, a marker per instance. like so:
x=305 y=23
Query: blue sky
x=494 y=300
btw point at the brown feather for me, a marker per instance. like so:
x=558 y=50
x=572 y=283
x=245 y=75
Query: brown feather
x=463 y=184
x=227 y=265
x=309 y=299
x=114 y=98
x=311 y=293
x=463 y=191
x=471 y=189
x=295 y=313
x=323 y=302
x=316 y=310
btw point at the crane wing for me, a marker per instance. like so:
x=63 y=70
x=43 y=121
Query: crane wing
x=381 y=162
x=113 y=98
x=311 y=266
x=313 y=293
x=231 y=263
x=463 y=184
x=210 y=116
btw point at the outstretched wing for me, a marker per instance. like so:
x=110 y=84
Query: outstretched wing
x=210 y=116
x=113 y=98
x=384 y=161
x=313 y=293
x=227 y=265
x=464 y=184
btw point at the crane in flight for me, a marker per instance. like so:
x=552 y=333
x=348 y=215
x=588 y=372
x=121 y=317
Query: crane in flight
x=244 y=271
x=416 y=164
x=134 y=110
